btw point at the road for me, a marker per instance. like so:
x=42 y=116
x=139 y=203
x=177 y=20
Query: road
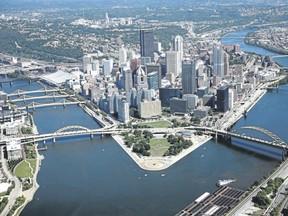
x=16 y=192
x=241 y=208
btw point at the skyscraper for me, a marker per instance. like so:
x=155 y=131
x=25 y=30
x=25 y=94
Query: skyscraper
x=218 y=61
x=87 y=60
x=128 y=81
x=178 y=46
x=223 y=99
x=147 y=44
x=140 y=79
x=189 y=85
x=122 y=55
x=173 y=62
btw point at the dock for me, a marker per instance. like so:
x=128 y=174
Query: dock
x=217 y=203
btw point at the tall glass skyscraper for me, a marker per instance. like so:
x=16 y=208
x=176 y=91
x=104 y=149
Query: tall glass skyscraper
x=178 y=46
x=218 y=61
x=147 y=44
x=189 y=85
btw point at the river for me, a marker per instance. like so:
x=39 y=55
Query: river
x=96 y=177
x=238 y=38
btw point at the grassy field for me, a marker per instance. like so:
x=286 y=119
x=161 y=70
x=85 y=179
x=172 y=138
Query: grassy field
x=22 y=170
x=157 y=124
x=158 y=147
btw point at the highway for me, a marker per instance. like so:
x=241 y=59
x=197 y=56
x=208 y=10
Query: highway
x=241 y=208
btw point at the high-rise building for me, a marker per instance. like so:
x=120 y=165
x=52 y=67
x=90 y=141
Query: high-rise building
x=128 y=81
x=87 y=60
x=173 y=62
x=166 y=93
x=226 y=64
x=123 y=110
x=178 y=46
x=189 y=84
x=148 y=109
x=122 y=55
x=150 y=68
x=153 y=80
x=222 y=99
x=140 y=79
x=218 y=61
x=107 y=66
x=178 y=105
x=95 y=68
x=192 y=100
x=147 y=43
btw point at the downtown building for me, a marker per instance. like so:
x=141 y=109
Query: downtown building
x=189 y=84
x=147 y=44
x=218 y=61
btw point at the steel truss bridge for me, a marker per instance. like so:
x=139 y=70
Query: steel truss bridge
x=277 y=141
x=25 y=98
x=77 y=130
x=19 y=92
x=33 y=105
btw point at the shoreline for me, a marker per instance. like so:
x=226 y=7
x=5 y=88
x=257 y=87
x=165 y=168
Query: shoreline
x=161 y=163
x=29 y=194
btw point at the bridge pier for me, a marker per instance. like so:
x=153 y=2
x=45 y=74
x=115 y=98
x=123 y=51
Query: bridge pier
x=33 y=106
x=91 y=135
x=216 y=136
x=53 y=140
x=44 y=142
x=11 y=83
x=64 y=104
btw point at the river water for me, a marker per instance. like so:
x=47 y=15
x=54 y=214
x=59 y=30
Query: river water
x=96 y=177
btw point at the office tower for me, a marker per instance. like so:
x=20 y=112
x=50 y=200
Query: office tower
x=189 y=85
x=107 y=66
x=173 y=62
x=123 y=110
x=87 y=59
x=218 y=61
x=122 y=55
x=178 y=46
x=178 y=105
x=166 y=93
x=140 y=79
x=153 y=80
x=226 y=64
x=147 y=44
x=150 y=68
x=128 y=81
x=149 y=109
x=95 y=68
x=231 y=99
x=222 y=99
x=192 y=100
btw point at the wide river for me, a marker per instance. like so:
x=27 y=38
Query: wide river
x=96 y=177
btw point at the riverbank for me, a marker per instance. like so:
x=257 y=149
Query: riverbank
x=29 y=194
x=161 y=163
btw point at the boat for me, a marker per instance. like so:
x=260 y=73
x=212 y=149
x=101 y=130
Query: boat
x=224 y=182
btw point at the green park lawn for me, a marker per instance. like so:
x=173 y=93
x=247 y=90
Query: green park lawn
x=158 y=147
x=157 y=124
x=22 y=170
